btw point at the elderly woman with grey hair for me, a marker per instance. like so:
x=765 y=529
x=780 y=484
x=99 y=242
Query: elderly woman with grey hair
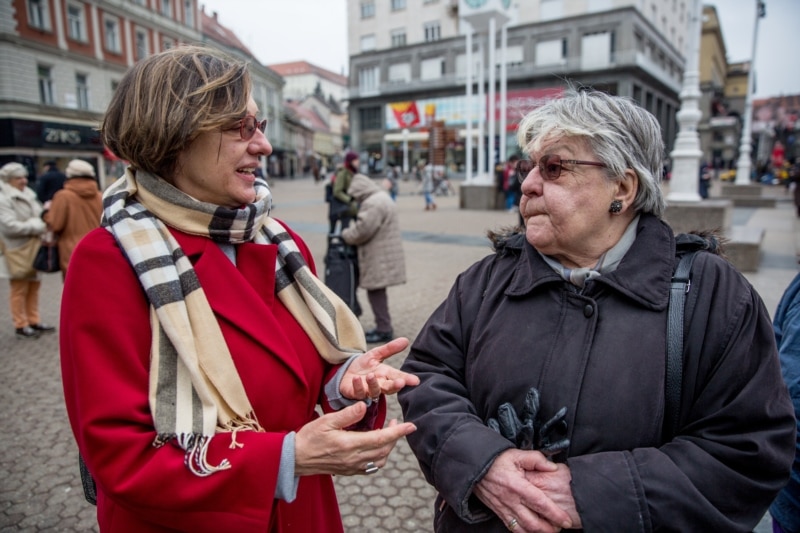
x=20 y=227
x=543 y=374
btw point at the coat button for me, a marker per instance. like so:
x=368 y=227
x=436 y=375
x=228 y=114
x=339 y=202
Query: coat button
x=588 y=310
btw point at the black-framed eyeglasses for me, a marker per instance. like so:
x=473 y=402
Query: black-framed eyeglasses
x=549 y=166
x=248 y=125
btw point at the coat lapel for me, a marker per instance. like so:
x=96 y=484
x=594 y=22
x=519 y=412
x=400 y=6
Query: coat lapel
x=243 y=295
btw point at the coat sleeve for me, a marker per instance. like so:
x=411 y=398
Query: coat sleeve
x=12 y=226
x=452 y=443
x=365 y=226
x=105 y=344
x=56 y=216
x=735 y=439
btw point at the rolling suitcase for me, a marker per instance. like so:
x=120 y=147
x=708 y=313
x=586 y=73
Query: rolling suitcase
x=341 y=271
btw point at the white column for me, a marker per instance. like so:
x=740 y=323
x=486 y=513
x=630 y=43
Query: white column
x=503 y=91
x=491 y=104
x=686 y=155
x=405 y=151
x=743 y=165
x=481 y=172
x=468 y=114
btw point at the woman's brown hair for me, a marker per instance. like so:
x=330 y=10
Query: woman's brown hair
x=166 y=100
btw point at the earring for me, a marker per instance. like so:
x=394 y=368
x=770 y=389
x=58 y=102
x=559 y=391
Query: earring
x=616 y=207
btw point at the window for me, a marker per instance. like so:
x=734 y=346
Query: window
x=515 y=56
x=400 y=73
x=167 y=43
x=166 y=8
x=551 y=9
x=367 y=43
x=431 y=69
x=39 y=14
x=371 y=118
x=141 y=50
x=114 y=85
x=552 y=52
x=76 y=26
x=397 y=5
x=82 y=90
x=188 y=13
x=367 y=9
x=45 y=85
x=368 y=79
x=597 y=51
x=433 y=31
x=398 y=38
x=140 y=2
x=111 y=38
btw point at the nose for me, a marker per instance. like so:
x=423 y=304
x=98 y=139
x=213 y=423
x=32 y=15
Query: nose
x=259 y=144
x=531 y=185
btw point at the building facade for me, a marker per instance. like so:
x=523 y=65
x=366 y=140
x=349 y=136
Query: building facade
x=408 y=66
x=60 y=62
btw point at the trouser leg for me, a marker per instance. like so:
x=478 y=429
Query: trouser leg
x=32 y=302
x=17 y=298
x=379 y=302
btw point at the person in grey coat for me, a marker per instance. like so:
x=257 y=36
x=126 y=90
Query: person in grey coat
x=542 y=394
x=376 y=233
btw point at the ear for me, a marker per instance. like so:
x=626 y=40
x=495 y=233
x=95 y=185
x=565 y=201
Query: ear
x=627 y=188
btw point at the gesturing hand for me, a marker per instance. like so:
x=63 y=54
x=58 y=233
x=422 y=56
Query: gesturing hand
x=323 y=446
x=368 y=376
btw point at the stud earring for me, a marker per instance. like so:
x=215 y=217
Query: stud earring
x=616 y=207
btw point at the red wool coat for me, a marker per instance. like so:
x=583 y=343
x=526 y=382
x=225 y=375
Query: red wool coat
x=105 y=354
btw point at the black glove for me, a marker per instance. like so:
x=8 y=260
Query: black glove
x=526 y=430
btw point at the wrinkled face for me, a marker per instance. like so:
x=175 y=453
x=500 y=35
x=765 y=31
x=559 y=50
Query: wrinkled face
x=568 y=217
x=19 y=182
x=218 y=167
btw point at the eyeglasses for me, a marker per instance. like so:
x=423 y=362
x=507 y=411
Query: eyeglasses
x=248 y=126
x=549 y=166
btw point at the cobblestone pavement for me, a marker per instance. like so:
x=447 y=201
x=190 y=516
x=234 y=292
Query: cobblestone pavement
x=40 y=487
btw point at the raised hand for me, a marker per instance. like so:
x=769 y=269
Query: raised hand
x=368 y=376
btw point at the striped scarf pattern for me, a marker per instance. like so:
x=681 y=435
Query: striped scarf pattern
x=195 y=390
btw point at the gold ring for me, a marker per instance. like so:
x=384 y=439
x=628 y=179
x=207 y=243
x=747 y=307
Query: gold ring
x=371 y=468
x=512 y=525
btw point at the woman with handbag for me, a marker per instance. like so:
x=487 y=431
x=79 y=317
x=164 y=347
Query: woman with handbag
x=21 y=226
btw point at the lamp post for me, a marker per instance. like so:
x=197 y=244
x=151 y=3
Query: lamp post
x=687 y=153
x=744 y=164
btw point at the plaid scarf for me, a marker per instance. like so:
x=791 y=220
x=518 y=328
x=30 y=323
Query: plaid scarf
x=195 y=390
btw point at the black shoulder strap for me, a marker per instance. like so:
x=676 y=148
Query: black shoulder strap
x=681 y=283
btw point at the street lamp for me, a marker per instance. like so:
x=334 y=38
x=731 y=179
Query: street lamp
x=744 y=164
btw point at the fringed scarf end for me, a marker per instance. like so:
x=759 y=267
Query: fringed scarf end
x=196 y=447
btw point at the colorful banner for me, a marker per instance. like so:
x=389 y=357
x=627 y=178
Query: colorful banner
x=406 y=114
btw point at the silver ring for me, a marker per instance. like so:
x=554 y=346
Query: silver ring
x=376 y=399
x=512 y=525
x=371 y=468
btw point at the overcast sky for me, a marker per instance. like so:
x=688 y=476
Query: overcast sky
x=279 y=31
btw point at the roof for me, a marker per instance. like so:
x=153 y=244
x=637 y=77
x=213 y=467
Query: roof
x=307 y=117
x=215 y=31
x=298 y=68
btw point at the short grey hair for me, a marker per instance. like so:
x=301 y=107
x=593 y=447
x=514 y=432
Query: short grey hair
x=621 y=134
x=10 y=171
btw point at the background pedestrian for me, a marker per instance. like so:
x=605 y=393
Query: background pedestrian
x=75 y=210
x=21 y=227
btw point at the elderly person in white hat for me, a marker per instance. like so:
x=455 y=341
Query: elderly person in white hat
x=20 y=227
x=75 y=210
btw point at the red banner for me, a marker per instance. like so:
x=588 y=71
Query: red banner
x=406 y=114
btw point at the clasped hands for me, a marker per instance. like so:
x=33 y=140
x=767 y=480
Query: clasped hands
x=523 y=487
x=323 y=446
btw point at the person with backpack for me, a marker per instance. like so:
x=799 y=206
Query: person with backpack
x=549 y=394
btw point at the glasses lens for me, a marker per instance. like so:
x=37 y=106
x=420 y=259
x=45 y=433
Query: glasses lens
x=524 y=167
x=550 y=167
x=248 y=128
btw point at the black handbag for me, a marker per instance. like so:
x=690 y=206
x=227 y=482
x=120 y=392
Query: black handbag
x=47 y=257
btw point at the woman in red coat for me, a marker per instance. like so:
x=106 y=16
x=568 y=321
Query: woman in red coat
x=196 y=341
